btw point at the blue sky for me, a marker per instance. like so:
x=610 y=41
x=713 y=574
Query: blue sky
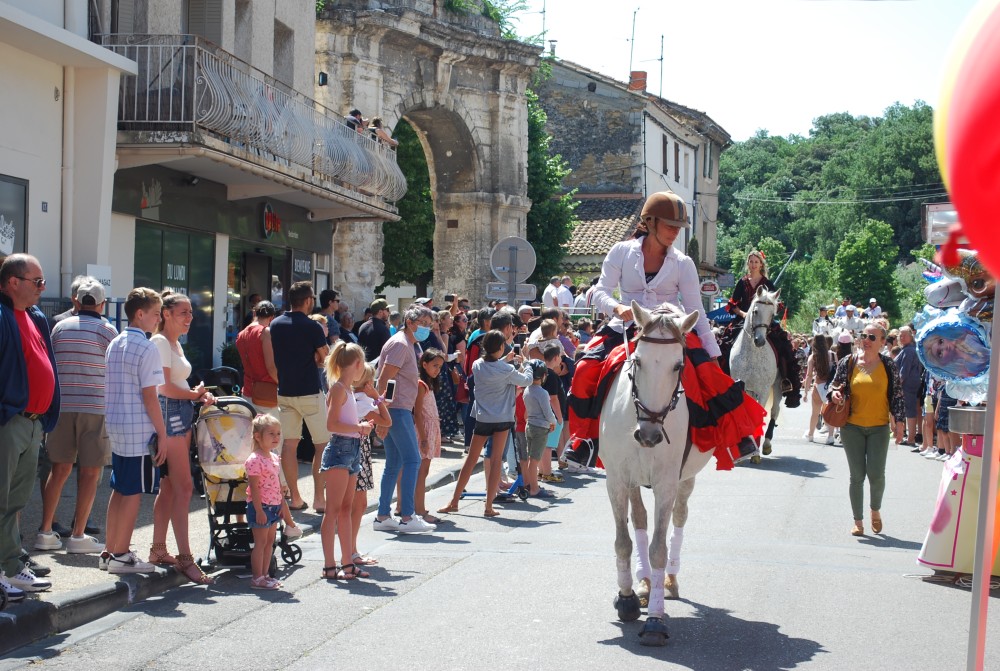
x=769 y=64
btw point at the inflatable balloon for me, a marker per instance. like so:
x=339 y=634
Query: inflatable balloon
x=968 y=134
x=954 y=348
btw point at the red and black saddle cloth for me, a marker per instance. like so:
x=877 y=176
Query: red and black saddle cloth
x=721 y=413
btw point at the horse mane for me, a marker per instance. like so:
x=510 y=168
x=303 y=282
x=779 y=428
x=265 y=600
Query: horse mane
x=661 y=317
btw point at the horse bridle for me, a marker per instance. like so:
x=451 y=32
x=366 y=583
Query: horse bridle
x=642 y=412
x=752 y=325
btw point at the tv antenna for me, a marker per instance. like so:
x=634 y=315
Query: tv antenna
x=631 y=54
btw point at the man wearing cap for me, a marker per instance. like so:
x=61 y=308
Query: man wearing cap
x=374 y=333
x=550 y=297
x=649 y=270
x=851 y=322
x=29 y=407
x=873 y=310
x=842 y=310
x=79 y=343
x=823 y=325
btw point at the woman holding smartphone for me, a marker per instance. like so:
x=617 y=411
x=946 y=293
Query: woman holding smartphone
x=397 y=363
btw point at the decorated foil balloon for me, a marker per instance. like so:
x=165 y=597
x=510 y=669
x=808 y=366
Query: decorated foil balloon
x=977 y=284
x=954 y=348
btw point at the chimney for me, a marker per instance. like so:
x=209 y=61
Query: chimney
x=637 y=80
x=552 y=48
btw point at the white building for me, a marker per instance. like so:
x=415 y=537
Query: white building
x=57 y=148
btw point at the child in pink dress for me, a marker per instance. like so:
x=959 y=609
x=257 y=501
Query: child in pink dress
x=263 y=498
x=428 y=424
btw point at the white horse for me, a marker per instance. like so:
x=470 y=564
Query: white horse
x=644 y=408
x=752 y=359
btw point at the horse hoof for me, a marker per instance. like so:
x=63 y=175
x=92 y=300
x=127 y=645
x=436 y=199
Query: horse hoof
x=642 y=591
x=767 y=447
x=627 y=607
x=755 y=459
x=672 y=587
x=654 y=632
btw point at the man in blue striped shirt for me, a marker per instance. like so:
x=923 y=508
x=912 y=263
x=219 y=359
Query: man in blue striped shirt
x=80 y=343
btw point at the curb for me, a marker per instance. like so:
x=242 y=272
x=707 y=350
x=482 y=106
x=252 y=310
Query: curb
x=31 y=619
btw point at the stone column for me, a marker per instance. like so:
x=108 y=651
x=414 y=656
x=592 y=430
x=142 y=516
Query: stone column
x=357 y=263
x=467 y=226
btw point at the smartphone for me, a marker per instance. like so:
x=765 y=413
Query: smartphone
x=517 y=350
x=390 y=390
x=153 y=447
x=448 y=298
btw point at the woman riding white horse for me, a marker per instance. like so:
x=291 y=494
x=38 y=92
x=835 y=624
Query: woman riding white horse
x=650 y=271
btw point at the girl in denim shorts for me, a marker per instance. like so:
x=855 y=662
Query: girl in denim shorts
x=263 y=498
x=341 y=461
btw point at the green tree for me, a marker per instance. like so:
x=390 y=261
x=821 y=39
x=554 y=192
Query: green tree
x=865 y=264
x=550 y=219
x=408 y=245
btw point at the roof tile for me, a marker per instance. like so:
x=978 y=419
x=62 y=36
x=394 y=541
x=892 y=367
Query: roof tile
x=602 y=223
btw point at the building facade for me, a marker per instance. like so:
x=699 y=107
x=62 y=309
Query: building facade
x=230 y=176
x=623 y=144
x=57 y=155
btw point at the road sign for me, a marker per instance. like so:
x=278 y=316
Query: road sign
x=512 y=260
x=522 y=292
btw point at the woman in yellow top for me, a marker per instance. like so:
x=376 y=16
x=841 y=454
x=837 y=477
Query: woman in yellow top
x=876 y=396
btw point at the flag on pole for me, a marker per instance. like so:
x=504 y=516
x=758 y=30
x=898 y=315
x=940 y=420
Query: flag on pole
x=784 y=320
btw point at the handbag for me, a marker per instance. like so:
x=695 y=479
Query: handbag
x=836 y=414
x=265 y=394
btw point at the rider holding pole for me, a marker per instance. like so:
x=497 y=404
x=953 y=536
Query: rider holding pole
x=650 y=271
x=743 y=295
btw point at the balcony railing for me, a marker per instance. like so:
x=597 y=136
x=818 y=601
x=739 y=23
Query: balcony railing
x=186 y=83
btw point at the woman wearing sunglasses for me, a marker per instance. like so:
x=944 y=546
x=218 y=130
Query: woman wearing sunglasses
x=871 y=381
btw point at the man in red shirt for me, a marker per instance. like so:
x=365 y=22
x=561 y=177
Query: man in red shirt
x=29 y=407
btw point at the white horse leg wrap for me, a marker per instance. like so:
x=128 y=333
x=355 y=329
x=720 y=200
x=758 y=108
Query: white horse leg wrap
x=624 y=579
x=656 y=605
x=674 y=550
x=642 y=550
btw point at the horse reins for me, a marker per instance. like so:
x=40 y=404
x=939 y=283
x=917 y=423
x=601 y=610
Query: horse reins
x=641 y=409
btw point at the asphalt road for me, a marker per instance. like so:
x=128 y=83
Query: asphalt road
x=771 y=579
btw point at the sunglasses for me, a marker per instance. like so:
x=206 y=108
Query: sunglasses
x=870 y=336
x=38 y=282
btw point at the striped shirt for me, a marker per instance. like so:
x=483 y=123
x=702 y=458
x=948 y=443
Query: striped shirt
x=133 y=365
x=80 y=344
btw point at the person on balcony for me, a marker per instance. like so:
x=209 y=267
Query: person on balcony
x=355 y=121
x=380 y=134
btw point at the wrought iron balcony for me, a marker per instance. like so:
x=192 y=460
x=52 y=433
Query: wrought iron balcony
x=186 y=83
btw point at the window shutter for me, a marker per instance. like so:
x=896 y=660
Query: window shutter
x=205 y=19
x=124 y=17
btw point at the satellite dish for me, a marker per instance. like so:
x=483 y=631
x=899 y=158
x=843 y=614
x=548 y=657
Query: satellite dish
x=512 y=260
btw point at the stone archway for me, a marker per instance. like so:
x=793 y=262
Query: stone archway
x=463 y=89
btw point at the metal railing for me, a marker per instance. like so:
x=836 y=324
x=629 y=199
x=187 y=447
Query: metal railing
x=186 y=83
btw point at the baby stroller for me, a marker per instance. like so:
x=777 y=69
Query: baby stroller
x=223 y=440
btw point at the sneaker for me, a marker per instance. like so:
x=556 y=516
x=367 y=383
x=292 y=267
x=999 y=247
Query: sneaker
x=13 y=593
x=573 y=467
x=83 y=545
x=932 y=454
x=830 y=438
x=291 y=533
x=61 y=530
x=47 y=540
x=554 y=477
x=416 y=525
x=388 y=524
x=808 y=436
x=129 y=563
x=944 y=456
x=38 y=569
x=28 y=581
x=102 y=561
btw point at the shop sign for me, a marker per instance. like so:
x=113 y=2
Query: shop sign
x=302 y=266
x=710 y=288
x=272 y=222
x=102 y=274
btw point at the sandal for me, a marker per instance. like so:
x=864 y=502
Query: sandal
x=352 y=571
x=430 y=519
x=363 y=560
x=491 y=513
x=336 y=572
x=158 y=554
x=876 y=522
x=450 y=508
x=185 y=565
x=264 y=582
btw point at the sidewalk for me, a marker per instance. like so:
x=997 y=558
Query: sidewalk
x=81 y=593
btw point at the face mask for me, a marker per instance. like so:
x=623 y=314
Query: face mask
x=421 y=333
